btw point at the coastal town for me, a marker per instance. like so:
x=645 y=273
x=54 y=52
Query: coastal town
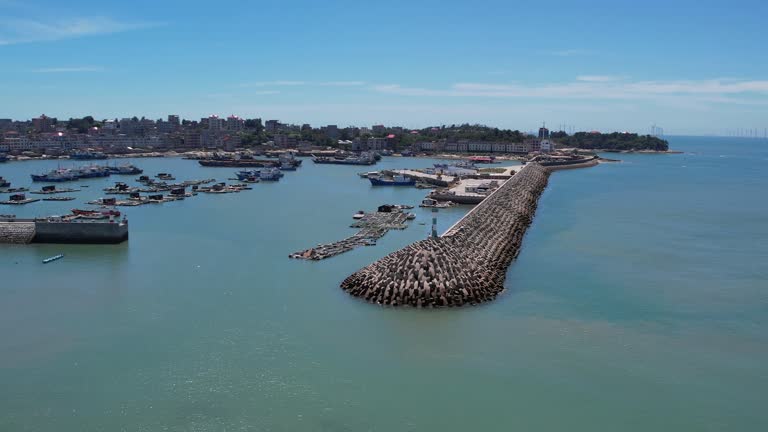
x=49 y=136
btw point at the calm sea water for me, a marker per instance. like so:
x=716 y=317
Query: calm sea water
x=639 y=302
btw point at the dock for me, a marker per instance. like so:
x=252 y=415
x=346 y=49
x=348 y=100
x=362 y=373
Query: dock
x=372 y=227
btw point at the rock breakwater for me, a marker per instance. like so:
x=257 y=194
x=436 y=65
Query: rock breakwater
x=468 y=264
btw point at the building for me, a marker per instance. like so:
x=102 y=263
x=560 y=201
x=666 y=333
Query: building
x=543 y=133
x=191 y=139
x=42 y=124
x=285 y=141
x=215 y=123
x=378 y=129
x=235 y=123
x=332 y=132
x=546 y=146
x=128 y=126
x=174 y=120
x=272 y=126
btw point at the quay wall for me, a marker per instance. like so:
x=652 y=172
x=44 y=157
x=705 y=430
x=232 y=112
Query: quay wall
x=24 y=231
x=468 y=264
x=90 y=233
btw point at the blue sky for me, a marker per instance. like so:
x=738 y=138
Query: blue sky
x=692 y=67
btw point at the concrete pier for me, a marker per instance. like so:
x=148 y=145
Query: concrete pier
x=468 y=264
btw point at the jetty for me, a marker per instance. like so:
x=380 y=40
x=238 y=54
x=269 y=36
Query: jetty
x=468 y=263
x=372 y=227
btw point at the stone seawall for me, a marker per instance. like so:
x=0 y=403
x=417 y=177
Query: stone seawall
x=17 y=232
x=468 y=264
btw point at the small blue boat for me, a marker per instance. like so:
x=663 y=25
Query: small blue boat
x=397 y=180
x=53 y=258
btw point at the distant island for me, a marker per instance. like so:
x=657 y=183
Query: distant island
x=618 y=141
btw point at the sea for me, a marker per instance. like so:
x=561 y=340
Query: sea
x=639 y=302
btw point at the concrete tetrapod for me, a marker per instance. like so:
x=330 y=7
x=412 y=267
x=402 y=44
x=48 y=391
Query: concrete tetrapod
x=468 y=264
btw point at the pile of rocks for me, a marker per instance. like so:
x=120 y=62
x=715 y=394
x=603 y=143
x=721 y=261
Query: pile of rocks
x=17 y=232
x=467 y=265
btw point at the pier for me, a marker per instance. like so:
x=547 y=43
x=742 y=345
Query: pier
x=372 y=226
x=467 y=264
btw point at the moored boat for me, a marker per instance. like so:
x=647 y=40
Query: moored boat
x=4 y=183
x=125 y=170
x=397 y=180
x=57 y=175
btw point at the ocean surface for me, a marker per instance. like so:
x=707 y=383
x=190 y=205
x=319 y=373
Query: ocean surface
x=639 y=302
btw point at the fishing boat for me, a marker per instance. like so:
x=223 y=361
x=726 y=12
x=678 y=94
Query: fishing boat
x=359 y=215
x=53 y=258
x=397 y=180
x=57 y=175
x=125 y=170
x=165 y=176
x=92 y=171
x=4 y=183
x=3 y=157
x=270 y=174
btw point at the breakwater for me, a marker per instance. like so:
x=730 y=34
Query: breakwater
x=467 y=264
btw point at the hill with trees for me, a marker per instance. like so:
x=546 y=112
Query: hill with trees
x=611 y=141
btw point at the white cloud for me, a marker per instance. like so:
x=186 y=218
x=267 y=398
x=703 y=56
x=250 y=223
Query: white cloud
x=69 y=69
x=20 y=30
x=343 y=83
x=273 y=83
x=571 y=52
x=304 y=83
x=597 y=89
x=599 y=78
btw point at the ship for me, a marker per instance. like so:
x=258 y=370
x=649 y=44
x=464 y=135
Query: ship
x=92 y=171
x=362 y=159
x=125 y=170
x=397 y=180
x=265 y=174
x=64 y=229
x=237 y=163
x=4 y=183
x=57 y=175
x=3 y=157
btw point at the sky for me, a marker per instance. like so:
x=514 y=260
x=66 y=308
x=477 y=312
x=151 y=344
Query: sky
x=690 y=67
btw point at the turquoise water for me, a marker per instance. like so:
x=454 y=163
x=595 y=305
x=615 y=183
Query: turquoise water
x=639 y=302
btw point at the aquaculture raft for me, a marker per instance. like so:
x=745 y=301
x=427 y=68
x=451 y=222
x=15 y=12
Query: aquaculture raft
x=372 y=227
x=468 y=264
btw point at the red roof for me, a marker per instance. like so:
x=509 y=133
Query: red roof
x=391 y=136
